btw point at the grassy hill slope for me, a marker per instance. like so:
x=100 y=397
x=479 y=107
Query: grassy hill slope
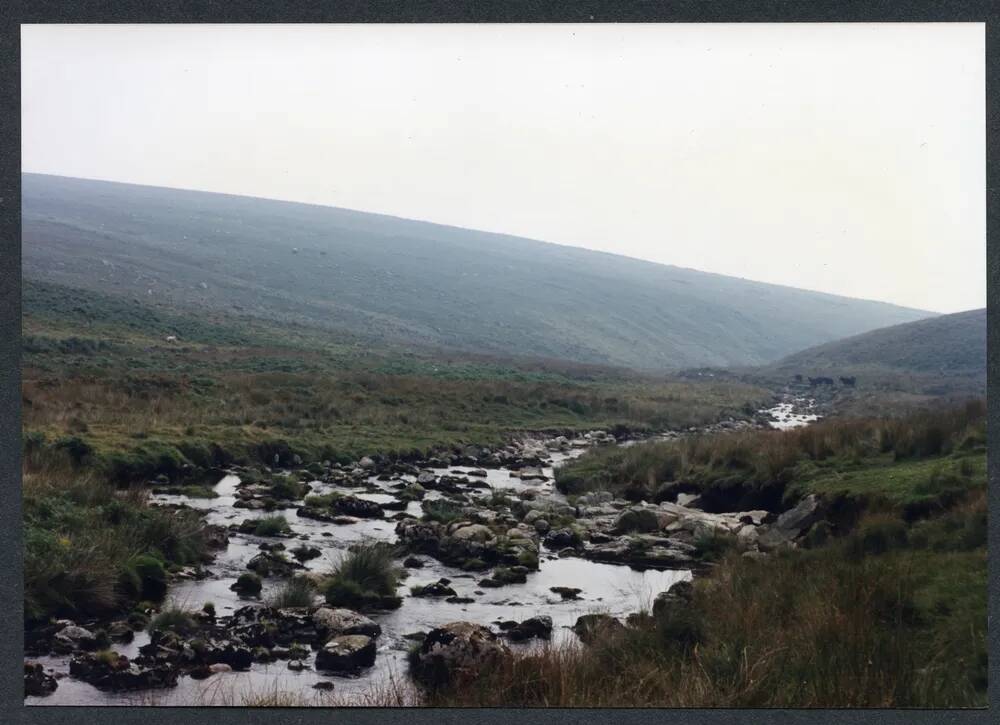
x=411 y=282
x=949 y=344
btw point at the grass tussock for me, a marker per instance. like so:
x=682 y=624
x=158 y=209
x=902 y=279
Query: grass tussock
x=174 y=619
x=296 y=592
x=271 y=526
x=365 y=579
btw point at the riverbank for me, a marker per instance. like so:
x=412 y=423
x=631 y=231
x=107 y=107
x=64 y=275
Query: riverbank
x=878 y=600
x=334 y=506
x=490 y=540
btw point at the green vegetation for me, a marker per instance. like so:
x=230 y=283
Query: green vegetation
x=296 y=592
x=139 y=408
x=174 y=619
x=365 y=579
x=92 y=550
x=287 y=488
x=442 y=511
x=920 y=460
x=198 y=492
x=892 y=614
x=954 y=343
x=271 y=526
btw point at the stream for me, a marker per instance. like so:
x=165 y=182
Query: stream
x=606 y=588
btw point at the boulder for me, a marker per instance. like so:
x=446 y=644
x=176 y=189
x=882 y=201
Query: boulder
x=247 y=584
x=506 y=575
x=38 y=683
x=334 y=622
x=540 y=627
x=346 y=653
x=678 y=595
x=112 y=671
x=473 y=532
x=562 y=538
x=455 y=653
x=590 y=627
x=640 y=520
x=800 y=517
x=72 y=638
x=436 y=589
x=567 y=593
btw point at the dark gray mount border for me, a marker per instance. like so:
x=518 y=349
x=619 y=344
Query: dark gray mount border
x=14 y=12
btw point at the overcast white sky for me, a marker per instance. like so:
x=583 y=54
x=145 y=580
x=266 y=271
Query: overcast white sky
x=843 y=158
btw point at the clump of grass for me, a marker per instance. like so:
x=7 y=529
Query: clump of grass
x=174 y=619
x=714 y=545
x=296 y=592
x=877 y=534
x=198 y=492
x=366 y=578
x=271 y=526
x=287 y=488
x=106 y=657
x=322 y=501
x=442 y=511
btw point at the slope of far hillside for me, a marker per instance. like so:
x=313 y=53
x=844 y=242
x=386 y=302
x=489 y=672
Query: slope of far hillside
x=396 y=280
x=947 y=345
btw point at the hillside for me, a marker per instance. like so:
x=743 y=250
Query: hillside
x=946 y=345
x=412 y=282
x=898 y=368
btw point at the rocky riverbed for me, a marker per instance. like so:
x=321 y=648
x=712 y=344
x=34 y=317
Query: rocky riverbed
x=515 y=564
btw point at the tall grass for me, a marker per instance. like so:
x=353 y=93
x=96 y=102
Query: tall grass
x=809 y=628
x=766 y=461
x=296 y=592
x=365 y=578
x=82 y=536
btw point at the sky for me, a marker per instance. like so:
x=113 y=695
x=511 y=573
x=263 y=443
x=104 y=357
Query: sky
x=844 y=158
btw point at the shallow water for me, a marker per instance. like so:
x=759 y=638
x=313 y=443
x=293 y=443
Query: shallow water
x=793 y=414
x=617 y=590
